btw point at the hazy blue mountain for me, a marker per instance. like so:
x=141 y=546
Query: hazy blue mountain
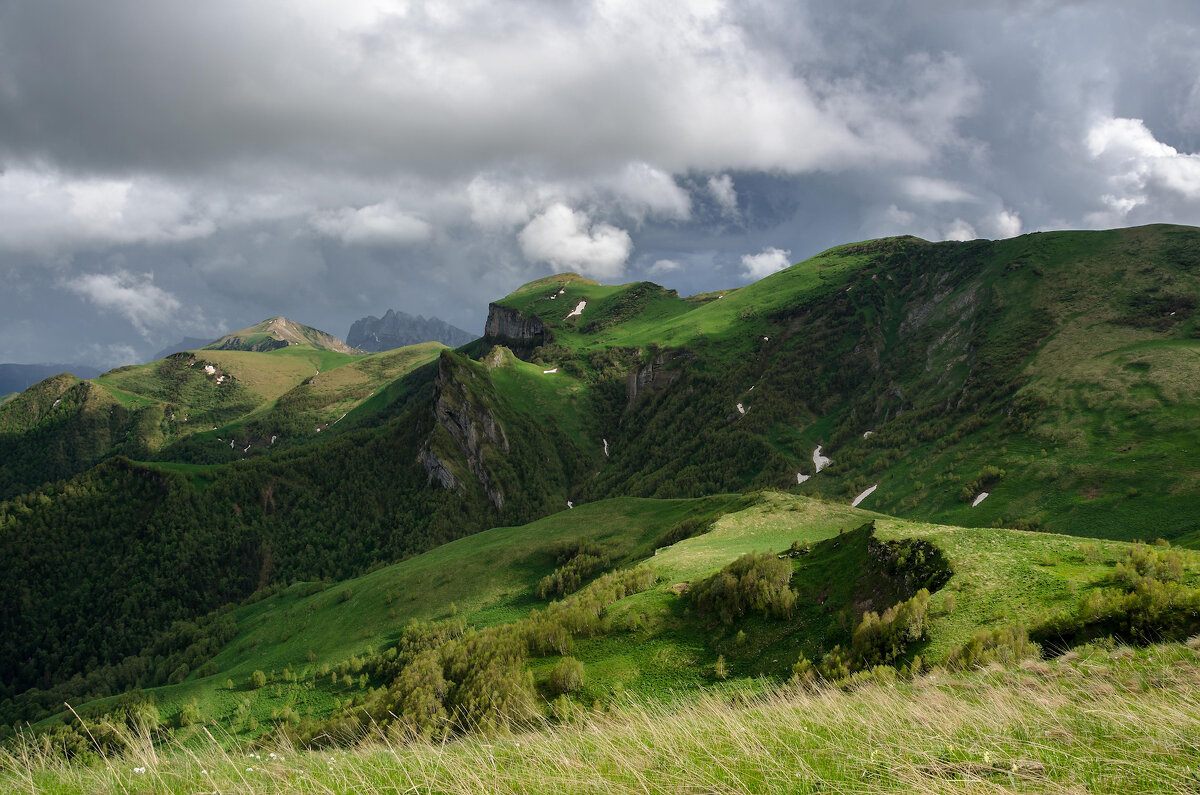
x=397 y=329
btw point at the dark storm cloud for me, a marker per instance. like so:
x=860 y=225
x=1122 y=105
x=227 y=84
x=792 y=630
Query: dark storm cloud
x=181 y=168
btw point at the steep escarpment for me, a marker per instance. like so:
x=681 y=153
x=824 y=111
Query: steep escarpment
x=508 y=326
x=467 y=432
x=501 y=427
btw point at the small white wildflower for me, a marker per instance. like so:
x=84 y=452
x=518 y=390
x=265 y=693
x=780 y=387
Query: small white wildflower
x=249 y=770
x=204 y=772
x=139 y=770
x=272 y=756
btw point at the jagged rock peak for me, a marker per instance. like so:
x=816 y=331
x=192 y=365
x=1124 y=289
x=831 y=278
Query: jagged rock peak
x=397 y=329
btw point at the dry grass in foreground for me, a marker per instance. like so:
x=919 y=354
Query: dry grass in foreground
x=1097 y=720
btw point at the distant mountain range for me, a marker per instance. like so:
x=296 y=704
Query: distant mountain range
x=19 y=377
x=397 y=329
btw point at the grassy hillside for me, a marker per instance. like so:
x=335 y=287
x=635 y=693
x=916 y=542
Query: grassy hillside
x=1055 y=371
x=1005 y=416
x=313 y=641
x=200 y=407
x=279 y=332
x=1075 y=724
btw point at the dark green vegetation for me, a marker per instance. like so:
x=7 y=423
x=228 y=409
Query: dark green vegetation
x=262 y=573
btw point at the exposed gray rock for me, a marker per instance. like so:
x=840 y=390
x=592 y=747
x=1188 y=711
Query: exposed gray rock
x=397 y=329
x=652 y=376
x=470 y=426
x=509 y=325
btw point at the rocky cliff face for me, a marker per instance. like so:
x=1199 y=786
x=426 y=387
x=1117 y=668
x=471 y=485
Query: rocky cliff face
x=464 y=426
x=509 y=325
x=397 y=329
x=651 y=377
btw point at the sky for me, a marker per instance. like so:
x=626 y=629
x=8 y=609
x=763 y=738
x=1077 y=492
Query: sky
x=190 y=168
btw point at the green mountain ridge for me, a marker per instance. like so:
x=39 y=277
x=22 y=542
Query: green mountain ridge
x=963 y=395
x=279 y=332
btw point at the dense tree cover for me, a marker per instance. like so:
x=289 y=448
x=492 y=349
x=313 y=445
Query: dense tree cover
x=168 y=658
x=92 y=569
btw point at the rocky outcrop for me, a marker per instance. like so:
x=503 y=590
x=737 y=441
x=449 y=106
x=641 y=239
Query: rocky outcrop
x=652 y=376
x=464 y=423
x=438 y=470
x=235 y=343
x=508 y=325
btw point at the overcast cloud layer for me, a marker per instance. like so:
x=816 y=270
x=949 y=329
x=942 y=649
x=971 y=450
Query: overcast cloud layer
x=177 y=168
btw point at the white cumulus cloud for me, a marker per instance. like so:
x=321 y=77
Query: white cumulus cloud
x=721 y=189
x=666 y=266
x=1140 y=169
x=135 y=297
x=641 y=190
x=934 y=191
x=567 y=238
x=766 y=262
x=1006 y=224
x=959 y=230
x=380 y=224
x=46 y=211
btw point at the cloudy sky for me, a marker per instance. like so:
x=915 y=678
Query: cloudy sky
x=188 y=168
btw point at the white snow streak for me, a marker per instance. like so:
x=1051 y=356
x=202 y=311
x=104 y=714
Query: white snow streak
x=863 y=496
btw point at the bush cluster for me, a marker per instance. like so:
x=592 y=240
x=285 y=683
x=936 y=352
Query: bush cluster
x=878 y=642
x=442 y=679
x=1004 y=645
x=1149 y=604
x=755 y=581
x=577 y=561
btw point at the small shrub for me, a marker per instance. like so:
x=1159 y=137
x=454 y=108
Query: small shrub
x=1005 y=645
x=578 y=562
x=1144 y=562
x=720 y=669
x=880 y=640
x=179 y=674
x=566 y=676
x=258 y=679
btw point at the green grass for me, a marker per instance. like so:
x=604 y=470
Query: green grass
x=487 y=579
x=657 y=648
x=1100 y=720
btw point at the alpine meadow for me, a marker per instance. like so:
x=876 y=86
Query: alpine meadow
x=905 y=516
